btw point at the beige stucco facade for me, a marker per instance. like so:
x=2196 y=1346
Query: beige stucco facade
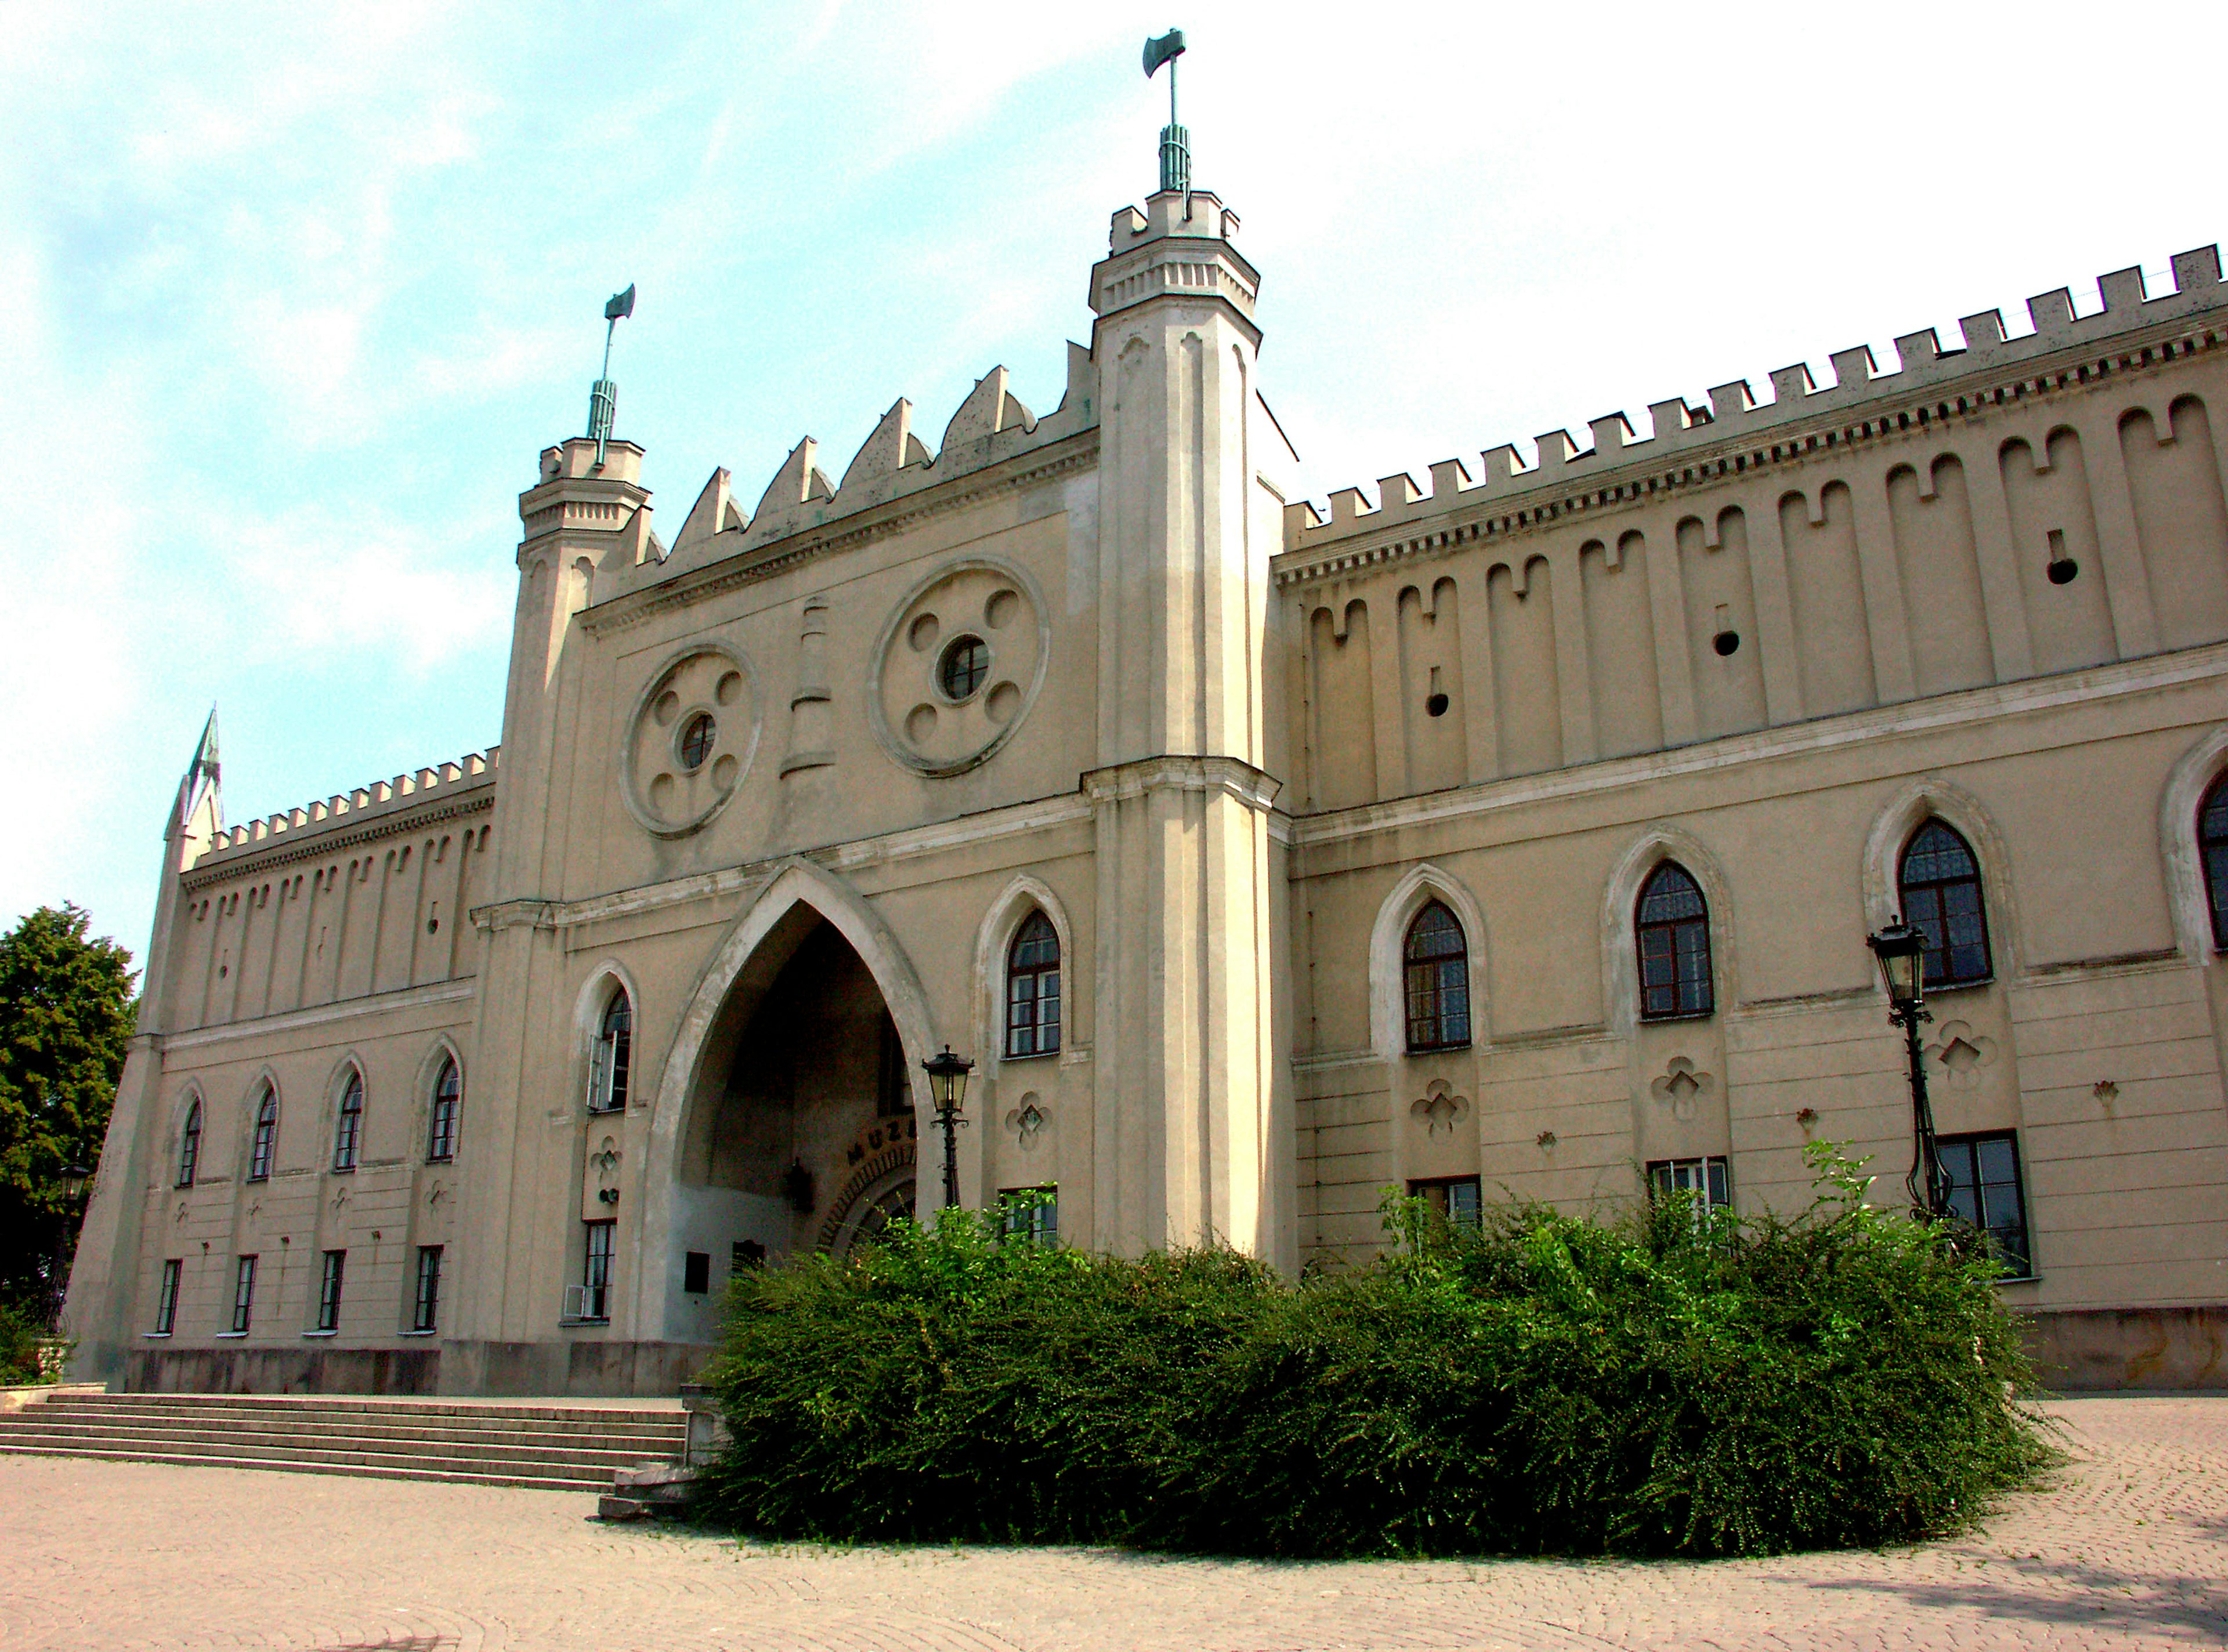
x=1230 y=751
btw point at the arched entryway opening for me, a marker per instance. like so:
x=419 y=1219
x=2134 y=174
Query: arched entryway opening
x=784 y=1117
x=802 y=1137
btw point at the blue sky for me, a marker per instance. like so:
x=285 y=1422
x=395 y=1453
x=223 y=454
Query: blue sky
x=294 y=296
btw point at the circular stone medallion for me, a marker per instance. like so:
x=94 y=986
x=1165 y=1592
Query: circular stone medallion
x=958 y=665
x=690 y=740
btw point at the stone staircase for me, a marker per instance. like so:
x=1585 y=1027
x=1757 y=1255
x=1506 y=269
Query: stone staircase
x=553 y=1446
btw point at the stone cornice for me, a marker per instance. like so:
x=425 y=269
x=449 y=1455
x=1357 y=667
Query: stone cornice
x=317 y=1014
x=1757 y=445
x=1173 y=772
x=764 y=562
x=1966 y=707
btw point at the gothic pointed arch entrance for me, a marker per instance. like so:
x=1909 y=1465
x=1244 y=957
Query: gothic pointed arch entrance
x=785 y=1119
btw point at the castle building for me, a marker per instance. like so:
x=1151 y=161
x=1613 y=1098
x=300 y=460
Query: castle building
x=1518 y=837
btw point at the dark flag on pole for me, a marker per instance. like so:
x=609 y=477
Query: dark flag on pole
x=1158 y=52
x=622 y=303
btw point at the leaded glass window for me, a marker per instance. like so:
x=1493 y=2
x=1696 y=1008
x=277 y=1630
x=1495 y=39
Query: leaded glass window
x=1940 y=881
x=1435 y=971
x=448 y=1097
x=2213 y=848
x=348 y=1133
x=1984 y=1190
x=609 y=1062
x=1673 y=928
x=1033 y=989
x=265 y=1146
x=189 y=1145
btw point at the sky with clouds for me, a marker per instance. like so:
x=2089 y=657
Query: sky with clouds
x=291 y=296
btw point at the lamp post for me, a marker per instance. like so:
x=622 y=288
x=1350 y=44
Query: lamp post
x=1901 y=952
x=75 y=1179
x=947 y=1090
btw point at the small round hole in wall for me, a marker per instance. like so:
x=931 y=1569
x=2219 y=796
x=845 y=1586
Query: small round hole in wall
x=729 y=689
x=1726 y=642
x=2062 y=571
x=1436 y=705
x=667 y=704
x=921 y=634
x=432 y=926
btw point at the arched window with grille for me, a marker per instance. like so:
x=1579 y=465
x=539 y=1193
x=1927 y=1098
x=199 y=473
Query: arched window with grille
x=1939 y=879
x=1672 y=928
x=441 y=1119
x=1435 y=974
x=2212 y=850
x=264 y=1148
x=189 y=1145
x=347 y=1129
x=1033 y=989
x=609 y=1064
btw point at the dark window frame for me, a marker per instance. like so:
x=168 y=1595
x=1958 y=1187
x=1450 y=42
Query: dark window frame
x=448 y=1102
x=698 y=736
x=1674 y=946
x=243 y=1295
x=166 y=1296
x=596 y=1264
x=1712 y=1177
x=610 y=1059
x=331 y=1282
x=189 y=1145
x=1933 y=905
x=263 y=1149
x=975 y=669
x=1032 y=984
x=2212 y=856
x=1460 y=1199
x=1033 y=1220
x=1961 y=1159
x=425 y=1300
x=1434 y=981
x=348 y=1125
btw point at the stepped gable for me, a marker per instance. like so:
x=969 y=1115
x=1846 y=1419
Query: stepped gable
x=990 y=425
x=378 y=803
x=1733 y=416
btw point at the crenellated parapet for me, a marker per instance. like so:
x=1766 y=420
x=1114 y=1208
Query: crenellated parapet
x=1689 y=443
x=991 y=427
x=378 y=805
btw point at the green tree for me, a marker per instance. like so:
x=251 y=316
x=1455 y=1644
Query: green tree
x=66 y=1012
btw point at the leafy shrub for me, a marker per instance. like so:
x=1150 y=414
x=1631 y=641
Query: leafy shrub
x=21 y=1336
x=1681 y=1382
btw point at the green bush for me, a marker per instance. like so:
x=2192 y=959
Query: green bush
x=21 y=1335
x=1681 y=1382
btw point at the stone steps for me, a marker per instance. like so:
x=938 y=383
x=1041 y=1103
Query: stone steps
x=562 y=1448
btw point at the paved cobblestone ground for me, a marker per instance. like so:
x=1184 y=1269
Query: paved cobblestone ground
x=2129 y=1548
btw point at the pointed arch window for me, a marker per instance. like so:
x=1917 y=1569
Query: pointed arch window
x=610 y=1064
x=347 y=1130
x=264 y=1148
x=189 y=1145
x=1033 y=989
x=2212 y=850
x=1939 y=879
x=1671 y=925
x=1435 y=971
x=441 y=1128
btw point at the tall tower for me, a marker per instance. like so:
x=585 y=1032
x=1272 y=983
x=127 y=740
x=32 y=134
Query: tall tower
x=587 y=516
x=1192 y=1109
x=99 y=1309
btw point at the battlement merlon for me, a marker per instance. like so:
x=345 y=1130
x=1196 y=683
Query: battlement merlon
x=390 y=804
x=1179 y=244
x=1733 y=416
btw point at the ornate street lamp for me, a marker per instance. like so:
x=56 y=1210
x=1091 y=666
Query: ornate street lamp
x=74 y=1177
x=947 y=1091
x=1901 y=952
